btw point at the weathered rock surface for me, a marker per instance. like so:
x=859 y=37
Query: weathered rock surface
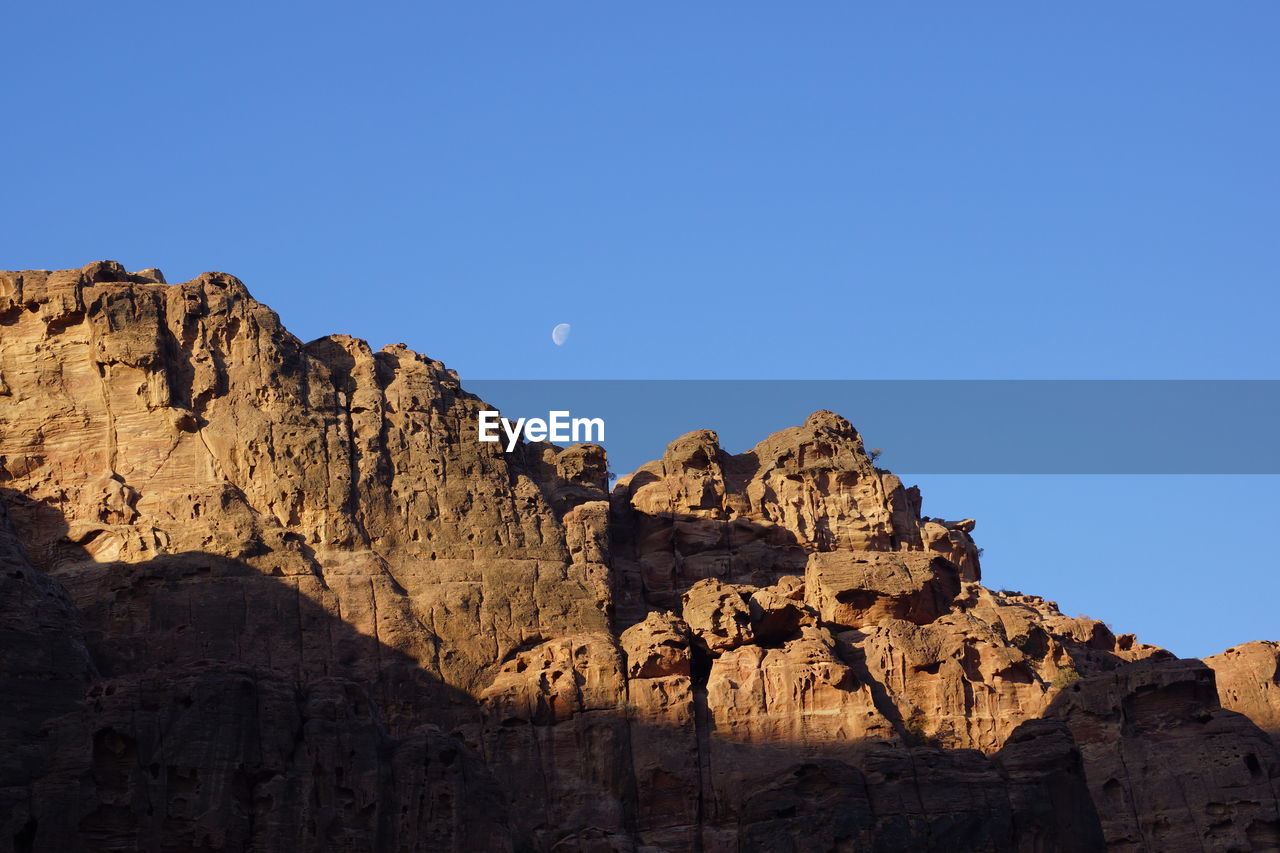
x=260 y=594
x=1168 y=768
x=1248 y=678
x=701 y=513
x=853 y=589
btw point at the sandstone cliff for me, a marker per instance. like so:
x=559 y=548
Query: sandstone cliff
x=260 y=594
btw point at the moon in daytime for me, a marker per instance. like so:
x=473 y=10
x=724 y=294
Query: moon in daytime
x=560 y=334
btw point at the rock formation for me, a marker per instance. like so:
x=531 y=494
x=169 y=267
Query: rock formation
x=260 y=594
x=1248 y=679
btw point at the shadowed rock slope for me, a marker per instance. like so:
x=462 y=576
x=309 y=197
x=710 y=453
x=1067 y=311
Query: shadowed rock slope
x=260 y=594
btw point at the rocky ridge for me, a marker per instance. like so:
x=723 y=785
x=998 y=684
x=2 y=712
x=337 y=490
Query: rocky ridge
x=265 y=594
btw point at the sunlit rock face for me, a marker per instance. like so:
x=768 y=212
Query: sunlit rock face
x=261 y=594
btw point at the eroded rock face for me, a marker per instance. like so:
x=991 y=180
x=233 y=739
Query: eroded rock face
x=45 y=671
x=1168 y=768
x=853 y=589
x=701 y=513
x=1248 y=679
x=207 y=488
x=260 y=593
x=236 y=758
x=719 y=615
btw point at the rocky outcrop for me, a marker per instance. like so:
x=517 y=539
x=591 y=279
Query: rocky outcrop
x=1248 y=679
x=264 y=594
x=1168 y=768
x=701 y=513
x=854 y=589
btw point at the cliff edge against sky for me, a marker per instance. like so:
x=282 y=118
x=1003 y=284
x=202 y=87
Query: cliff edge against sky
x=260 y=594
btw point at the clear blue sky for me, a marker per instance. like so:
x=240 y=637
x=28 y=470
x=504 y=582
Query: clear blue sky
x=746 y=189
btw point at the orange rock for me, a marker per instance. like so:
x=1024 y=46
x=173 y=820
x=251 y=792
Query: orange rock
x=264 y=594
x=1248 y=679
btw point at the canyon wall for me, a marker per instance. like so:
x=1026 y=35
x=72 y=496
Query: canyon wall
x=261 y=594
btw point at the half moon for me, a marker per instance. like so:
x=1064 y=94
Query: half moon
x=560 y=334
